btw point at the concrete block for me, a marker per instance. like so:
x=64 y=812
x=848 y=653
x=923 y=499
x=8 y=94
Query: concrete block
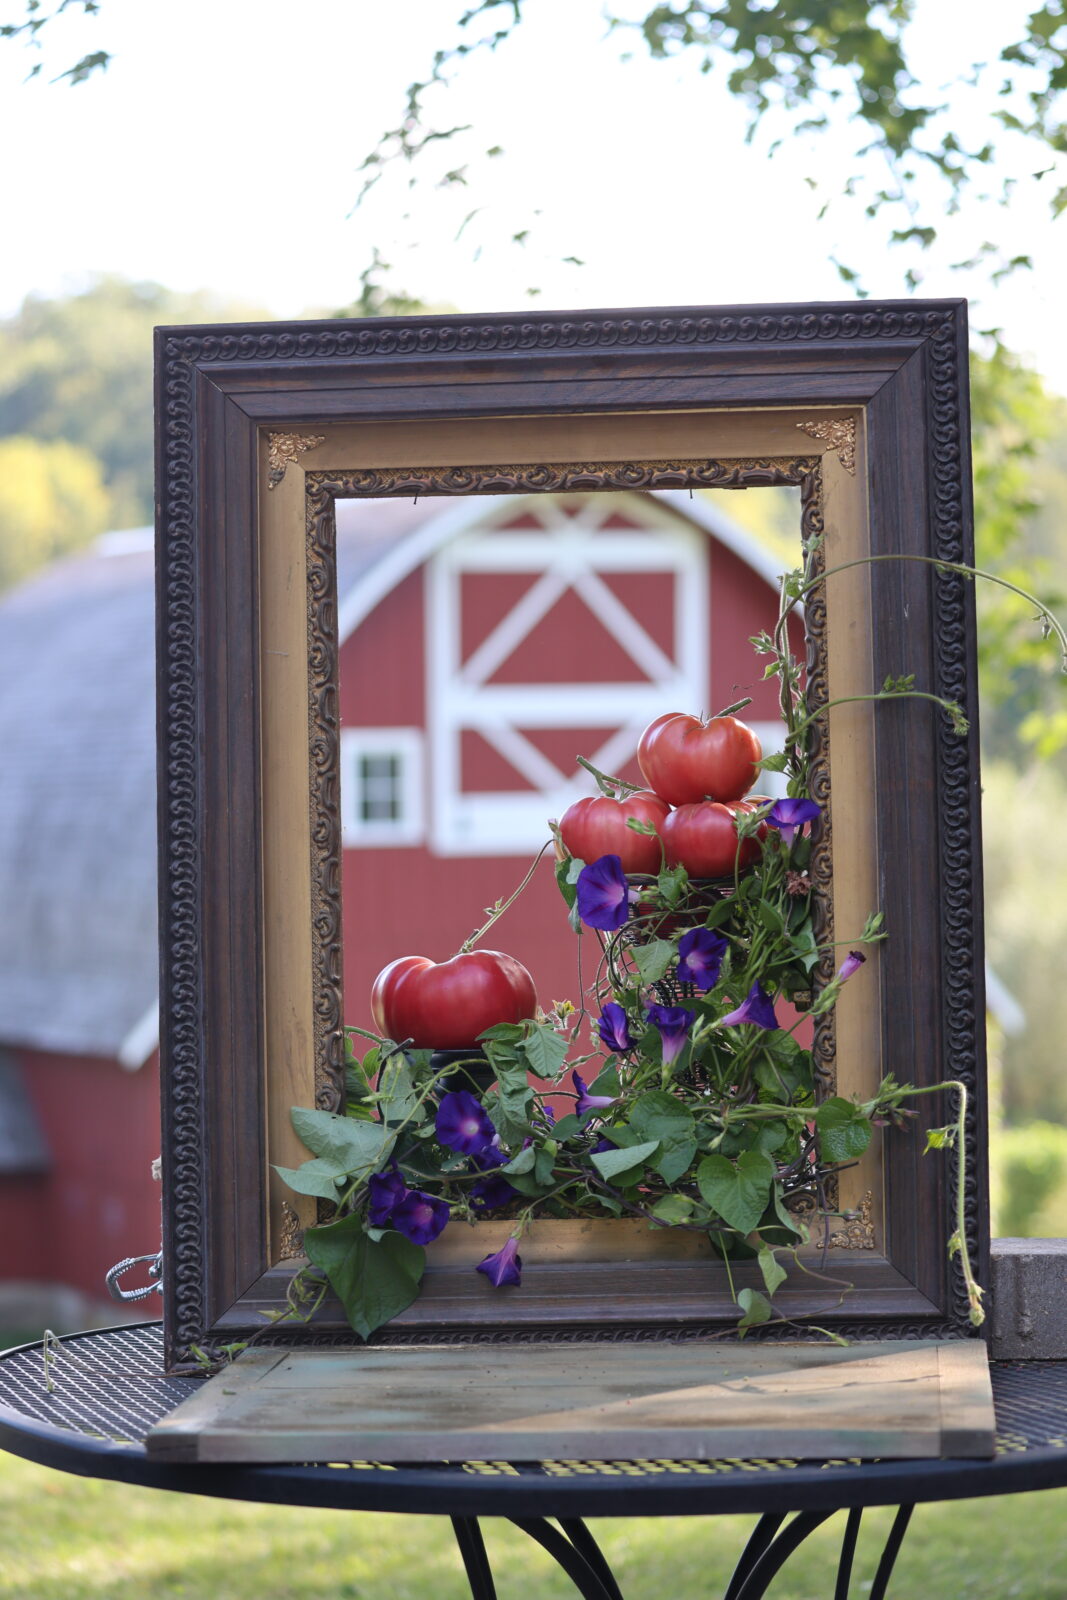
x=1028 y=1297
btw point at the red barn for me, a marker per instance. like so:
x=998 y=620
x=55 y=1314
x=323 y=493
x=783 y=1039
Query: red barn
x=485 y=643
x=488 y=643
x=79 y=1083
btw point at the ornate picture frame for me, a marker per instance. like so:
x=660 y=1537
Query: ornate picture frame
x=260 y=430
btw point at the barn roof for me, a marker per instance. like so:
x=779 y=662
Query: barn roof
x=77 y=807
x=429 y=524
x=78 y=964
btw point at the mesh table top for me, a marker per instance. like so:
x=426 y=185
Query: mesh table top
x=87 y=1404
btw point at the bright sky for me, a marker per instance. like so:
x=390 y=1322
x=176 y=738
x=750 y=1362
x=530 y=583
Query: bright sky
x=221 y=148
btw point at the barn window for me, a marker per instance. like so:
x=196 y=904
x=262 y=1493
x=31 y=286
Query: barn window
x=381 y=786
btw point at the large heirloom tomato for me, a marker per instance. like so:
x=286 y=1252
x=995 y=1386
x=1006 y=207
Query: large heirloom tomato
x=685 y=760
x=446 y=1005
x=596 y=827
x=702 y=838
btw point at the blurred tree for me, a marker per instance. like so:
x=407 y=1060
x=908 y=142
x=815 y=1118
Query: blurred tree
x=839 y=69
x=1026 y=927
x=79 y=368
x=1019 y=434
x=1032 y=1165
x=52 y=501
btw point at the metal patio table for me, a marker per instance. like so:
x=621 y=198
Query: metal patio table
x=86 y=1406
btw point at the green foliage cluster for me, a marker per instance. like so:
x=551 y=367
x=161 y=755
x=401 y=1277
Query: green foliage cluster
x=76 y=442
x=1019 y=436
x=53 y=500
x=37 y=16
x=1025 y=869
x=722 y=1138
x=840 y=69
x=1032 y=1172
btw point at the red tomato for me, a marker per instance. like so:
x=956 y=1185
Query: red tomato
x=685 y=760
x=596 y=827
x=446 y=1005
x=702 y=838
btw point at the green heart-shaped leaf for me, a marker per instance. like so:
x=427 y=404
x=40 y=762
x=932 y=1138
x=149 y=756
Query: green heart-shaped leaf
x=314 y=1177
x=844 y=1132
x=653 y=959
x=373 y=1279
x=658 y=1115
x=612 y=1164
x=544 y=1051
x=738 y=1191
x=344 y=1145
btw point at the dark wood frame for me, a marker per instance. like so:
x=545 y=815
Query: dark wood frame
x=901 y=368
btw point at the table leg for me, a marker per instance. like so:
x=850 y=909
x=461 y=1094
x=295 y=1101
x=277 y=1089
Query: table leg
x=759 y=1540
x=475 y=1561
x=574 y=1549
x=590 y=1551
x=848 y=1553
x=583 y=1561
x=768 y=1551
x=891 y=1551
x=776 y=1553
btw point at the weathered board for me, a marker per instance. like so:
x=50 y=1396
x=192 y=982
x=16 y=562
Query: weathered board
x=538 y=1401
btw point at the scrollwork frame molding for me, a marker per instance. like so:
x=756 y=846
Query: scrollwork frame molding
x=898 y=369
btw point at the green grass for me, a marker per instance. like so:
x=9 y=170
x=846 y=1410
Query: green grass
x=69 y=1538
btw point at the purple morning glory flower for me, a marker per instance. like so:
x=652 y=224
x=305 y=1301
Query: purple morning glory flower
x=789 y=816
x=613 y=1027
x=601 y=1145
x=603 y=894
x=757 y=1007
x=589 y=1102
x=386 y=1190
x=852 y=963
x=486 y=1160
x=503 y=1267
x=489 y=1194
x=463 y=1123
x=700 y=954
x=420 y=1217
x=674 y=1023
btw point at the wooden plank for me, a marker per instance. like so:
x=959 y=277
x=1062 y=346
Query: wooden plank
x=693 y=1400
x=966 y=1403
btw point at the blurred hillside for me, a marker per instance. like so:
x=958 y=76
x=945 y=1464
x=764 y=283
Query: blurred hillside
x=76 y=376
x=76 y=458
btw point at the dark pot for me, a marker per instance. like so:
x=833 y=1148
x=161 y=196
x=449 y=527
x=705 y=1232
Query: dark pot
x=470 y=1070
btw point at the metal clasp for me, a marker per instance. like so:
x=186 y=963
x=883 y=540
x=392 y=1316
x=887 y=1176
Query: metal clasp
x=155 y=1271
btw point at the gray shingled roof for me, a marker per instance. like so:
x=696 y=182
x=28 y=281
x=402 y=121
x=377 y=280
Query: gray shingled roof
x=77 y=803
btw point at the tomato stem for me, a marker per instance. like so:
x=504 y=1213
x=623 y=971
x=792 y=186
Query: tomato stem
x=731 y=711
x=608 y=785
x=497 y=911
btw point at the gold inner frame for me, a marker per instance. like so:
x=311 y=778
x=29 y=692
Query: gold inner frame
x=520 y=455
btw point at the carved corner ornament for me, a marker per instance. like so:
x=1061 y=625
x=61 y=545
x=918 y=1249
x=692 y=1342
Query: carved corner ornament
x=858 y=1231
x=291 y=1242
x=839 y=433
x=285 y=449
